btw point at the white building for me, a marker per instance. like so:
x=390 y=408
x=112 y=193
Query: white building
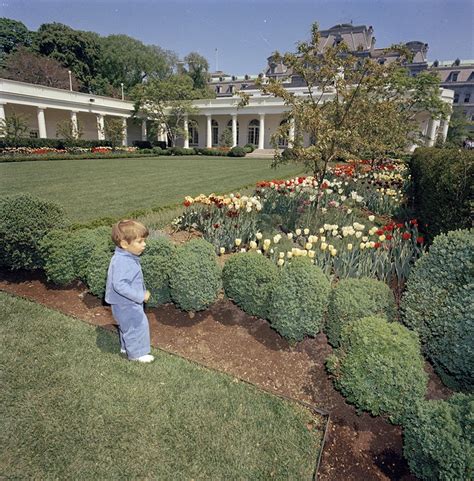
x=45 y=107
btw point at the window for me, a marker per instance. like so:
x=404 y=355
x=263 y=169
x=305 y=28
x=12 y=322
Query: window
x=34 y=134
x=218 y=89
x=229 y=126
x=193 y=135
x=283 y=141
x=471 y=77
x=253 y=132
x=231 y=89
x=453 y=77
x=215 y=133
x=456 y=98
x=467 y=98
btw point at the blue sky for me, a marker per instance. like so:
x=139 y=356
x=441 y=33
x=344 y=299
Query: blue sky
x=246 y=32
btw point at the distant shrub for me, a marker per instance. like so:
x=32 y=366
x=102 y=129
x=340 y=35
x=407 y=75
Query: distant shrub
x=24 y=221
x=237 y=152
x=299 y=300
x=438 y=439
x=210 y=152
x=249 y=148
x=195 y=277
x=439 y=302
x=97 y=268
x=353 y=299
x=288 y=154
x=379 y=367
x=248 y=280
x=142 y=144
x=181 y=151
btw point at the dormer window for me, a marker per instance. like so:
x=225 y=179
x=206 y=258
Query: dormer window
x=231 y=89
x=453 y=77
x=218 y=89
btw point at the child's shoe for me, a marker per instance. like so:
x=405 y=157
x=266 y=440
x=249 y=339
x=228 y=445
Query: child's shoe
x=146 y=358
x=123 y=351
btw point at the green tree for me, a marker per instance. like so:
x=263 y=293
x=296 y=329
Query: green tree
x=354 y=104
x=13 y=127
x=128 y=61
x=197 y=67
x=76 y=50
x=68 y=131
x=226 y=138
x=12 y=35
x=166 y=103
x=458 y=129
x=114 y=132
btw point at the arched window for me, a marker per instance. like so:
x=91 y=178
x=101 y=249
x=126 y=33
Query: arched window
x=193 y=134
x=283 y=141
x=253 y=132
x=215 y=133
x=229 y=126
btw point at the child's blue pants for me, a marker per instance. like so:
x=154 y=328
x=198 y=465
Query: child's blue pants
x=134 y=331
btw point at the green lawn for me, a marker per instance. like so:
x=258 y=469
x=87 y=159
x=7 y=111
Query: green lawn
x=94 y=188
x=72 y=408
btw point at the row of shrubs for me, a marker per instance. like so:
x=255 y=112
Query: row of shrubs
x=59 y=144
x=377 y=362
x=213 y=152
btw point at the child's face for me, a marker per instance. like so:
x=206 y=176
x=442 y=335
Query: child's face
x=136 y=247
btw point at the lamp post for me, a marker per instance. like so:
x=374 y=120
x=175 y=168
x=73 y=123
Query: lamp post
x=70 y=80
x=121 y=85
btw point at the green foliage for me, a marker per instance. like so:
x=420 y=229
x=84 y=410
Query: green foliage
x=249 y=148
x=438 y=440
x=53 y=143
x=69 y=131
x=443 y=184
x=24 y=221
x=12 y=35
x=180 y=151
x=353 y=299
x=439 y=302
x=159 y=246
x=249 y=279
x=197 y=69
x=379 y=367
x=97 y=268
x=14 y=127
x=226 y=139
x=195 y=277
x=210 y=152
x=299 y=300
x=114 y=132
x=156 y=270
x=237 y=152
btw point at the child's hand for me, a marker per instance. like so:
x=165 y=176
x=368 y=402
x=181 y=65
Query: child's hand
x=147 y=296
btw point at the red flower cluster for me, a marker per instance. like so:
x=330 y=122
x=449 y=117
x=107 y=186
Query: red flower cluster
x=100 y=150
x=344 y=170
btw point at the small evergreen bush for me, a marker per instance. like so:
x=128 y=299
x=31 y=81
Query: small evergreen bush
x=379 y=367
x=181 y=151
x=195 y=277
x=438 y=440
x=97 y=268
x=24 y=221
x=248 y=279
x=353 y=299
x=249 y=148
x=439 y=302
x=237 y=152
x=156 y=270
x=288 y=154
x=158 y=246
x=299 y=300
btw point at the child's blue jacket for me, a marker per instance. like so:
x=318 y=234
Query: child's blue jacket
x=124 y=279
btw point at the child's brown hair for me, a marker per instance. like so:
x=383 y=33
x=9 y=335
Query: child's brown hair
x=128 y=230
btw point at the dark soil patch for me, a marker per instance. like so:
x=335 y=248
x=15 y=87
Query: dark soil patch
x=358 y=447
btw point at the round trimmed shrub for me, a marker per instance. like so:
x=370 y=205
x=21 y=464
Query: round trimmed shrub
x=156 y=270
x=237 y=152
x=438 y=440
x=299 y=300
x=353 y=299
x=439 y=302
x=58 y=263
x=159 y=246
x=195 y=277
x=97 y=268
x=249 y=279
x=249 y=148
x=379 y=367
x=24 y=221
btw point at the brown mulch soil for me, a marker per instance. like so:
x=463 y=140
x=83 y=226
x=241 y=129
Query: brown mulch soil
x=358 y=447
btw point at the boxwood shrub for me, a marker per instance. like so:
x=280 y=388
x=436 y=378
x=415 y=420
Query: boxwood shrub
x=353 y=299
x=379 y=367
x=237 y=152
x=24 y=221
x=249 y=279
x=438 y=440
x=299 y=300
x=195 y=277
x=97 y=268
x=439 y=302
x=159 y=246
x=156 y=270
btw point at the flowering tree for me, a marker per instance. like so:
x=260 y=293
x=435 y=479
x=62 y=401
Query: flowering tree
x=355 y=105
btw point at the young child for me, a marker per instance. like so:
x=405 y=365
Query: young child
x=125 y=290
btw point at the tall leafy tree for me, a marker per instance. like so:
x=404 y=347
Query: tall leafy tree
x=26 y=66
x=76 y=50
x=14 y=127
x=13 y=34
x=166 y=103
x=197 y=67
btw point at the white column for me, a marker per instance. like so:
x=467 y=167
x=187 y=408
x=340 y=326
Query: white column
x=432 y=129
x=41 y=124
x=144 y=132
x=100 y=127
x=124 y=130
x=261 y=137
x=163 y=136
x=74 y=124
x=291 y=134
x=445 y=128
x=2 y=114
x=186 y=133
x=209 y=132
x=234 y=130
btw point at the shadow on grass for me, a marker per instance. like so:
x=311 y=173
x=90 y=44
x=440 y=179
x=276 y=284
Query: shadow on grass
x=107 y=340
